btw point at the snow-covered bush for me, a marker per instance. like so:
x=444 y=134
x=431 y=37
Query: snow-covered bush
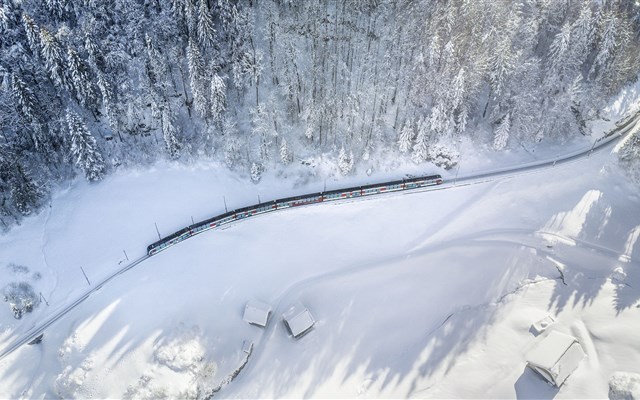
x=256 y=172
x=444 y=156
x=71 y=382
x=630 y=157
x=345 y=162
x=624 y=386
x=21 y=298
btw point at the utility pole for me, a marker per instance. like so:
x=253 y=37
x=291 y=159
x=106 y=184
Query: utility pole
x=125 y=255
x=225 y=204
x=85 y=276
x=45 y=300
x=157 y=230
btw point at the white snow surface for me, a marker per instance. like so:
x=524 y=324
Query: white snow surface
x=428 y=294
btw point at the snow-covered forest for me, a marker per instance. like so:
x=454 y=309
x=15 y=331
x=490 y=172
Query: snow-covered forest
x=88 y=86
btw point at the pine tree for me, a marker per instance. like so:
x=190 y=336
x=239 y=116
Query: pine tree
x=169 y=134
x=218 y=97
x=25 y=192
x=4 y=18
x=33 y=33
x=56 y=7
x=582 y=32
x=285 y=153
x=256 y=172
x=406 y=137
x=421 y=148
x=80 y=79
x=84 y=148
x=52 y=54
x=25 y=100
x=107 y=101
x=196 y=76
x=232 y=146
x=502 y=133
x=206 y=32
x=345 y=162
x=560 y=53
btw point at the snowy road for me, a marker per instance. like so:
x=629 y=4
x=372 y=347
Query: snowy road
x=473 y=178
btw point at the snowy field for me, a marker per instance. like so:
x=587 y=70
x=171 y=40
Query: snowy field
x=426 y=294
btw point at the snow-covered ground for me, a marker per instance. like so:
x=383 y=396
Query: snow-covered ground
x=426 y=294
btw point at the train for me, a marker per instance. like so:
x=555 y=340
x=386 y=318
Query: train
x=295 y=201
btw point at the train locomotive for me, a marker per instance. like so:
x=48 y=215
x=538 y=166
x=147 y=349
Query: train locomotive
x=261 y=208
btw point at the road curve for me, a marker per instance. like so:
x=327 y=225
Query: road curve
x=623 y=128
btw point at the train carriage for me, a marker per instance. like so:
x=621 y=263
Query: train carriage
x=346 y=193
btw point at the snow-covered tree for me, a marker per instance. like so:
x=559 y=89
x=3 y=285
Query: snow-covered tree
x=285 y=153
x=4 y=18
x=53 y=57
x=502 y=133
x=206 y=31
x=196 y=76
x=406 y=137
x=33 y=33
x=80 y=79
x=25 y=192
x=218 y=97
x=345 y=161
x=421 y=147
x=84 y=148
x=256 y=172
x=169 y=134
x=25 y=100
x=560 y=54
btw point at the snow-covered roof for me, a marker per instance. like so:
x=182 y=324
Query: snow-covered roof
x=556 y=357
x=299 y=320
x=256 y=313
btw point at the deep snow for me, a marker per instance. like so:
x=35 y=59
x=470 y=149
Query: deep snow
x=426 y=294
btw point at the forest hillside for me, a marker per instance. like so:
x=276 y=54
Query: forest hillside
x=89 y=86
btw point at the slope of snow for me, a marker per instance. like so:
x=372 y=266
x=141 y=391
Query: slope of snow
x=414 y=295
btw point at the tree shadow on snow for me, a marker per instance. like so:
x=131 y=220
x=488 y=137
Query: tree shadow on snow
x=598 y=239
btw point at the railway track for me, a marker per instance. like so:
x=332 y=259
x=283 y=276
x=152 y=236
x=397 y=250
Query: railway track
x=625 y=127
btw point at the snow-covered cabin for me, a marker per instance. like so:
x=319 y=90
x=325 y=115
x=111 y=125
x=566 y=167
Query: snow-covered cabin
x=556 y=357
x=257 y=313
x=298 y=320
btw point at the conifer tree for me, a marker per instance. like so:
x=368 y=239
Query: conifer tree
x=25 y=100
x=218 y=97
x=502 y=133
x=53 y=57
x=421 y=147
x=345 y=162
x=285 y=153
x=196 y=76
x=406 y=137
x=84 y=148
x=33 y=34
x=169 y=134
x=206 y=32
x=80 y=79
x=25 y=192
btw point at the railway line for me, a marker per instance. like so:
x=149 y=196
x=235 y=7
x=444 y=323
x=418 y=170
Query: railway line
x=413 y=185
